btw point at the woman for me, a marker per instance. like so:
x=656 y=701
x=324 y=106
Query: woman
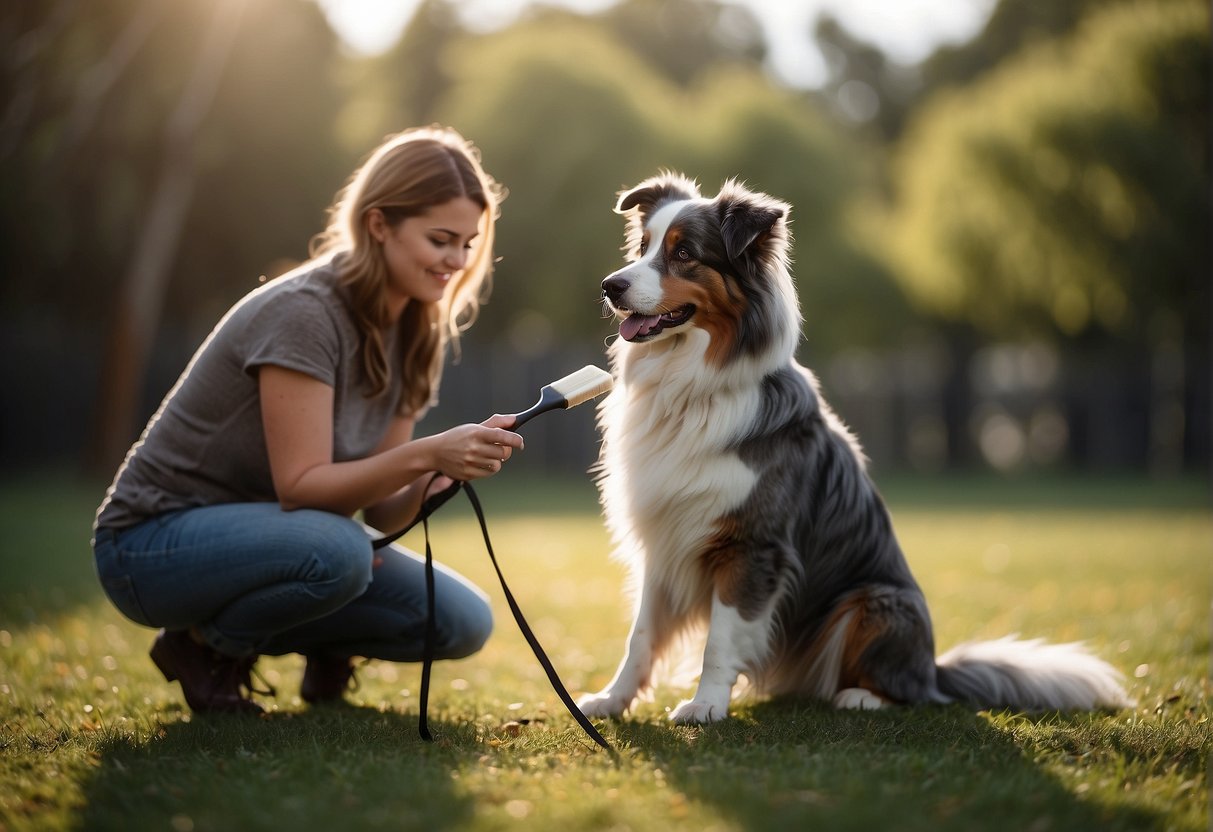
x=229 y=523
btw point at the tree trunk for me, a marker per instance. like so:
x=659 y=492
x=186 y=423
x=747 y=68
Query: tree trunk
x=140 y=295
x=100 y=78
x=20 y=66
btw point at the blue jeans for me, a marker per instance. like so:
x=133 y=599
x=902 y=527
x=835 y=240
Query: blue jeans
x=255 y=579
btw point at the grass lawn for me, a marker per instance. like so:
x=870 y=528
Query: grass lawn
x=91 y=737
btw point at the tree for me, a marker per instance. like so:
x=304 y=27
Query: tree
x=1013 y=25
x=238 y=193
x=1066 y=194
x=864 y=87
x=565 y=116
x=779 y=142
x=140 y=294
x=404 y=86
x=1066 y=191
x=684 y=39
x=138 y=150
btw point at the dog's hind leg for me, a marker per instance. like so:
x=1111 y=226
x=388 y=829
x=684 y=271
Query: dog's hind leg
x=858 y=699
x=888 y=650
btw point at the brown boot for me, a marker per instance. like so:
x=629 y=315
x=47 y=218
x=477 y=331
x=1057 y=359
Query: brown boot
x=211 y=681
x=326 y=678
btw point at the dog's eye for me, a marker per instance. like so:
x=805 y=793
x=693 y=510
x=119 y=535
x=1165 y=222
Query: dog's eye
x=682 y=254
x=644 y=246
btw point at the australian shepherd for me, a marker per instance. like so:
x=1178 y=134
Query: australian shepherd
x=739 y=501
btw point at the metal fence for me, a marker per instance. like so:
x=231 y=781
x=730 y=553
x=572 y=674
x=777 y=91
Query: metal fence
x=925 y=408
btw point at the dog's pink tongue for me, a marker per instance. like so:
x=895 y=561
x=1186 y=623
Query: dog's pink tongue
x=634 y=325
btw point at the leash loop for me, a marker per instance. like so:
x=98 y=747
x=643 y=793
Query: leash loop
x=427 y=508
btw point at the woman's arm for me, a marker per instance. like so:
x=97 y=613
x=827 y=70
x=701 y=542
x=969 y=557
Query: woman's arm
x=398 y=509
x=297 y=413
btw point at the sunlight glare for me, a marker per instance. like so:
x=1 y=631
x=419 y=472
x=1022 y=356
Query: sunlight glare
x=908 y=30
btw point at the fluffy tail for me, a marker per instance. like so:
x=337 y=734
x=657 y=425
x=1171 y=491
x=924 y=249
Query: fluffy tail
x=1029 y=676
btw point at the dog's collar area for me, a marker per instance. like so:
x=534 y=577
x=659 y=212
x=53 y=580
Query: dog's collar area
x=637 y=327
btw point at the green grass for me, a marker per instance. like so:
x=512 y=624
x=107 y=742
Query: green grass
x=91 y=737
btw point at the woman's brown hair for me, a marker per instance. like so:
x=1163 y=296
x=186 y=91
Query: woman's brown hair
x=405 y=176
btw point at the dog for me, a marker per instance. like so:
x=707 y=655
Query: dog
x=739 y=501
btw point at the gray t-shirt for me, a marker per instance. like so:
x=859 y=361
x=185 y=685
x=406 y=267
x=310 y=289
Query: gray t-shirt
x=206 y=444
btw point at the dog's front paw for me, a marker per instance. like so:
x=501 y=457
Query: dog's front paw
x=692 y=712
x=604 y=704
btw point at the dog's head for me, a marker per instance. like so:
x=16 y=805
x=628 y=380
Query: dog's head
x=718 y=265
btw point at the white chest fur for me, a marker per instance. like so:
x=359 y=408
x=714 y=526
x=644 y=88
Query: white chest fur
x=668 y=470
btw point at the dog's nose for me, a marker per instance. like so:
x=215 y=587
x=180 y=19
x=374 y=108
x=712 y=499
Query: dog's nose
x=614 y=287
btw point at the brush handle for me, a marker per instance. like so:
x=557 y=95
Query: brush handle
x=549 y=399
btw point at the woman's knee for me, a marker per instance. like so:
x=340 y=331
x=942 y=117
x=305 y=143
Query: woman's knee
x=341 y=552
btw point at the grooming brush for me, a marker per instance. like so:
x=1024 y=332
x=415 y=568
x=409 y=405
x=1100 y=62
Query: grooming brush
x=576 y=388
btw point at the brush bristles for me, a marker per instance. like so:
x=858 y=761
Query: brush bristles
x=583 y=385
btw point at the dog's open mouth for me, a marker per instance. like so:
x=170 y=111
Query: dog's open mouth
x=637 y=327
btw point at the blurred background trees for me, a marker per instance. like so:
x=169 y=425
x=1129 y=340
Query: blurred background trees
x=1002 y=251
x=1063 y=198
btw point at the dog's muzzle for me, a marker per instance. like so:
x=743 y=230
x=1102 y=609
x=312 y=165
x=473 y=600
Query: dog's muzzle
x=613 y=290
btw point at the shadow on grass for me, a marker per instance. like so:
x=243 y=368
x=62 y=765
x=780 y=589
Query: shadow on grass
x=793 y=764
x=326 y=768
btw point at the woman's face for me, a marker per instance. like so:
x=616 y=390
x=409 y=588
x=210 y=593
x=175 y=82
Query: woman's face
x=423 y=252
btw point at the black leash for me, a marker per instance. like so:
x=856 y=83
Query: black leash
x=431 y=505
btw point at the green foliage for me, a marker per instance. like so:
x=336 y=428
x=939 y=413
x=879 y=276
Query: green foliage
x=564 y=129
x=779 y=143
x=76 y=190
x=72 y=185
x=567 y=109
x=1056 y=187
x=268 y=161
x=683 y=39
x=567 y=116
x=92 y=737
x=1013 y=26
x=402 y=87
x=1067 y=191
x=864 y=86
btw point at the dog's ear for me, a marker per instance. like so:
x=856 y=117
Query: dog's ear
x=639 y=203
x=664 y=187
x=750 y=222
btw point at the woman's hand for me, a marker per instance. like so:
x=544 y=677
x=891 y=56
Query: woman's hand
x=471 y=452
x=437 y=485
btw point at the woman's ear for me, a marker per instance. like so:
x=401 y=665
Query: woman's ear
x=377 y=225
